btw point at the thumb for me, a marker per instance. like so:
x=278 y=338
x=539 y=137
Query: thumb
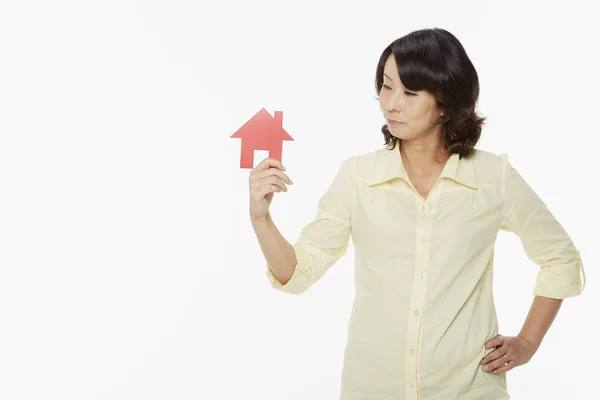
x=494 y=342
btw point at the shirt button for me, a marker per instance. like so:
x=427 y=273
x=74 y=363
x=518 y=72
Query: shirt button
x=417 y=313
x=412 y=352
x=413 y=387
x=420 y=275
x=424 y=239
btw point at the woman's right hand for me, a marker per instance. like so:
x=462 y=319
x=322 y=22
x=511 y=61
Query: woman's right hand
x=265 y=179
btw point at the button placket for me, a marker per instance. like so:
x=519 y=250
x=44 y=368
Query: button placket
x=426 y=210
x=423 y=232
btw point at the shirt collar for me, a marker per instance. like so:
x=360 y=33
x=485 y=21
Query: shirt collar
x=390 y=166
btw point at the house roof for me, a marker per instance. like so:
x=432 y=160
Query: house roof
x=264 y=125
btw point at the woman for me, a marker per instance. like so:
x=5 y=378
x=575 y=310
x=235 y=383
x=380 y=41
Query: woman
x=423 y=214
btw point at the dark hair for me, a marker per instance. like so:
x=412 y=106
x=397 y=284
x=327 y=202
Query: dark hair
x=434 y=60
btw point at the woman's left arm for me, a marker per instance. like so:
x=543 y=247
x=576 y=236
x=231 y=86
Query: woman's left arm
x=521 y=348
x=541 y=315
x=547 y=244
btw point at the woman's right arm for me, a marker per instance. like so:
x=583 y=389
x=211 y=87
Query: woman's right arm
x=295 y=268
x=265 y=179
x=279 y=253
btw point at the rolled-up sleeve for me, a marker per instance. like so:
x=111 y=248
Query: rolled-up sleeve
x=544 y=240
x=324 y=239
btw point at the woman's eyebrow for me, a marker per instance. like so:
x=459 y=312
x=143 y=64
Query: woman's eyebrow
x=387 y=76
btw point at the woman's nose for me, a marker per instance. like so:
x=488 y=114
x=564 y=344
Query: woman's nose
x=393 y=102
x=392 y=105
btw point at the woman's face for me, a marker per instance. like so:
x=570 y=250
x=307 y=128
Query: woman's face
x=416 y=110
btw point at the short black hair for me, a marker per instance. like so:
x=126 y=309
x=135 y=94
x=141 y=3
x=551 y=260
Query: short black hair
x=434 y=60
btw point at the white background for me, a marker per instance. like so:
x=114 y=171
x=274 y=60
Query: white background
x=128 y=265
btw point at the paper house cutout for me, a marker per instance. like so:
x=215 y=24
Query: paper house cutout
x=262 y=132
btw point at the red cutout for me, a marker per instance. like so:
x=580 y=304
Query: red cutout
x=262 y=132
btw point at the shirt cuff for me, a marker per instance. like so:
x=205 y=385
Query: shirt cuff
x=562 y=287
x=300 y=280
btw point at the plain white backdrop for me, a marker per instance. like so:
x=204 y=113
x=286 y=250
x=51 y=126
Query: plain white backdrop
x=128 y=265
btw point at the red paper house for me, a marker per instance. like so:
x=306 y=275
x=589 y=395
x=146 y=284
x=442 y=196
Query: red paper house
x=262 y=132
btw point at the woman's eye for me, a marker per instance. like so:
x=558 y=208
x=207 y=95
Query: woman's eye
x=408 y=93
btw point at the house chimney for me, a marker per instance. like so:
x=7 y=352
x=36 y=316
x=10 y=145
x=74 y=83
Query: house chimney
x=279 y=118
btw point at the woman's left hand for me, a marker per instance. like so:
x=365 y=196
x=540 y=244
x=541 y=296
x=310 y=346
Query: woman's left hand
x=510 y=352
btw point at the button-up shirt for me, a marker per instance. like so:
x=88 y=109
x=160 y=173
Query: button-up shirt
x=423 y=306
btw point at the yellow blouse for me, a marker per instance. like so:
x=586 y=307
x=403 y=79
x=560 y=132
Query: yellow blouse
x=423 y=306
